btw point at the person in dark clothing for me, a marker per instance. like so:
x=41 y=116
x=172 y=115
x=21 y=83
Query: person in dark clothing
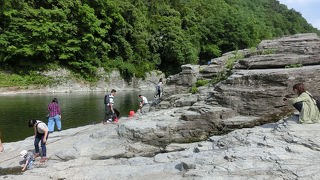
x=110 y=111
x=159 y=88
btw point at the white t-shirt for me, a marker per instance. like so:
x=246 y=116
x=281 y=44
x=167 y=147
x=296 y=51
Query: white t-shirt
x=145 y=100
x=41 y=127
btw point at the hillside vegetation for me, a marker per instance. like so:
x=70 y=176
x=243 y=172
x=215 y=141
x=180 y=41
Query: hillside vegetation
x=134 y=36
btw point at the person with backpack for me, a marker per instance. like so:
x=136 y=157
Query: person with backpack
x=40 y=134
x=109 y=107
x=305 y=104
x=54 y=115
x=158 y=88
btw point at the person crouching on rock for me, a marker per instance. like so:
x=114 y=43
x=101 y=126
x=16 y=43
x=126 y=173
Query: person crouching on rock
x=305 y=104
x=143 y=102
x=28 y=159
x=40 y=134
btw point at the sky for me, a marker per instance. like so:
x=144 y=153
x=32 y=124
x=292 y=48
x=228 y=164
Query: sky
x=310 y=10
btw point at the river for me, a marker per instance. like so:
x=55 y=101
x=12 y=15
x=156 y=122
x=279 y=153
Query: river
x=77 y=109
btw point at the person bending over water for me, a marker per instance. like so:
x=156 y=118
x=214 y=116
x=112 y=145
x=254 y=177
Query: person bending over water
x=40 y=134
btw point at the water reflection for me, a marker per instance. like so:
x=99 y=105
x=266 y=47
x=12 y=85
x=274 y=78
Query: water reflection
x=78 y=109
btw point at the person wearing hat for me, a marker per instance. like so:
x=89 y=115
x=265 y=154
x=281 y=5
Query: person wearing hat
x=109 y=102
x=28 y=159
x=40 y=134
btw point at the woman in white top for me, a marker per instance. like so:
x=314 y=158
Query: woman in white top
x=158 y=88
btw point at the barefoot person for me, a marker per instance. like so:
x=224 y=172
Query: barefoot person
x=305 y=104
x=40 y=134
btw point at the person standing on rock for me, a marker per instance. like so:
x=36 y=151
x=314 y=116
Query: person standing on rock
x=109 y=102
x=1 y=146
x=54 y=115
x=40 y=134
x=158 y=88
x=305 y=104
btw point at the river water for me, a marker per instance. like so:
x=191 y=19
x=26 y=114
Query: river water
x=77 y=109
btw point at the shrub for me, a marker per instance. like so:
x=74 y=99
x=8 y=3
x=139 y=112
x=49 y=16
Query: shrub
x=193 y=89
x=201 y=82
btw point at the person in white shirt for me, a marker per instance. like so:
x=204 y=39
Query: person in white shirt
x=109 y=106
x=40 y=134
x=159 y=88
x=143 y=101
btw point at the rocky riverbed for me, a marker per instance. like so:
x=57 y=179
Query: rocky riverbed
x=237 y=128
x=281 y=150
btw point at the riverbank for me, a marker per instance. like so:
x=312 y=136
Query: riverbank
x=277 y=150
x=62 y=81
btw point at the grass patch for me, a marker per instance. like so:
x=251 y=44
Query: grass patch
x=222 y=75
x=32 y=78
x=193 y=89
x=294 y=66
x=231 y=61
x=202 y=82
x=268 y=51
x=199 y=83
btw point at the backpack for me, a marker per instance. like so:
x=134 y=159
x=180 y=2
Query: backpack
x=106 y=99
x=317 y=101
x=157 y=88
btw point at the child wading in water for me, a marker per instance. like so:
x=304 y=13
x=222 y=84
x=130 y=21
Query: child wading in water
x=28 y=159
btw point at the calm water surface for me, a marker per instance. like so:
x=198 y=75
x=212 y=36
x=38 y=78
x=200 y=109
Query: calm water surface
x=77 y=109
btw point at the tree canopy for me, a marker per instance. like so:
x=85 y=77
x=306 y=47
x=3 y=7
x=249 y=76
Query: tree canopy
x=135 y=36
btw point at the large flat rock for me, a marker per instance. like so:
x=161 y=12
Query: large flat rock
x=282 y=150
x=260 y=92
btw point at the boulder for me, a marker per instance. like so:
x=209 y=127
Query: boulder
x=66 y=154
x=277 y=61
x=260 y=92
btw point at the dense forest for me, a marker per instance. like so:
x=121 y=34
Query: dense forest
x=135 y=36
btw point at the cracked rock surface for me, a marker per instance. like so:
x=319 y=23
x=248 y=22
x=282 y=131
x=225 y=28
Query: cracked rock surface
x=281 y=150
